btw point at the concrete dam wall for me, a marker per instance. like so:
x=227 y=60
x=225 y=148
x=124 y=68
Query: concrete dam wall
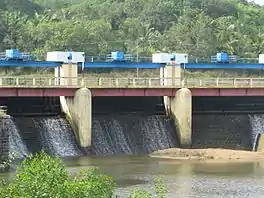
x=121 y=126
x=129 y=125
x=227 y=122
x=35 y=124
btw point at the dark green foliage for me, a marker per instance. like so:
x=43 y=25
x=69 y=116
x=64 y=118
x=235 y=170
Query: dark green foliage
x=197 y=27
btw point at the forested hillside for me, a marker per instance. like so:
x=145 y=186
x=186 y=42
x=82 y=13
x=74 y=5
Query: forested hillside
x=197 y=27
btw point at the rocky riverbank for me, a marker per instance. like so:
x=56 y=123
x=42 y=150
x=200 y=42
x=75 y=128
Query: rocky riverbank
x=207 y=154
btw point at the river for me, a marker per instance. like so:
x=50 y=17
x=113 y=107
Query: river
x=184 y=179
x=126 y=135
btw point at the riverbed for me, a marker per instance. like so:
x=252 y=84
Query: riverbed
x=209 y=155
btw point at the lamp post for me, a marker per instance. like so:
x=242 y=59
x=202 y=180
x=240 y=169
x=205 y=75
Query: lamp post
x=137 y=57
x=184 y=66
x=69 y=80
x=139 y=39
x=83 y=65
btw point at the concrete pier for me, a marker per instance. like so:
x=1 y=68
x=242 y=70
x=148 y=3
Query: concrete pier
x=67 y=74
x=180 y=106
x=78 y=110
x=260 y=143
x=181 y=112
x=171 y=75
x=4 y=136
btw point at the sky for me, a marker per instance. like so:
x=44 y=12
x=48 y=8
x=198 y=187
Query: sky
x=260 y=2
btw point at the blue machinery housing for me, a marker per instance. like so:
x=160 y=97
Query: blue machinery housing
x=13 y=58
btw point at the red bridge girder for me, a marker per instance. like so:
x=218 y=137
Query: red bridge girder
x=42 y=92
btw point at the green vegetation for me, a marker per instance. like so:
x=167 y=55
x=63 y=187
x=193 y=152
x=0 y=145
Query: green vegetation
x=43 y=176
x=197 y=27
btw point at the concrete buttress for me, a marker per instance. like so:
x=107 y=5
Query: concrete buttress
x=78 y=110
x=181 y=112
x=260 y=143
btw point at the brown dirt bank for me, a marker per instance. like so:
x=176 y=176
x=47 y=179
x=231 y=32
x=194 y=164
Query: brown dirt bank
x=207 y=154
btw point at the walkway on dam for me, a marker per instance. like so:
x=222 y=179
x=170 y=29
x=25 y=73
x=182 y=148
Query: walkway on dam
x=51 y=86
x=89 y=82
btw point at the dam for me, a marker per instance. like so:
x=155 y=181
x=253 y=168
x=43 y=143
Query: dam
x=128 y=126
x=124 y=130
x=69 y=115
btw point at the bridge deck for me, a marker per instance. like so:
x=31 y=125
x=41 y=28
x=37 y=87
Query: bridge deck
x=41 y=86
x=43 y=82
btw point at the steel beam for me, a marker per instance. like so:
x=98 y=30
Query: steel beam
x=17 y=63
x=125 y=65
x=221 y=66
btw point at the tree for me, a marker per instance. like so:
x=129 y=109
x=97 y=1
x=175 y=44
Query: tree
x=198 y=27
x=44 y=176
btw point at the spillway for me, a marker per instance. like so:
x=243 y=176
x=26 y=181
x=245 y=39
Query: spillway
x=257 y=126
x=227 y=122
x=113 y=134
x=117 y=134
x=33 y=134
x=121 y=127
x=229 y=131
x=16 y=145
x=131 y=134
x=57 y=137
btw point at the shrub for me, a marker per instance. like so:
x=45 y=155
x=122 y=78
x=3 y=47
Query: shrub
x=38 y=176
x=160 y=191
x=43 y=176
x=91 y=183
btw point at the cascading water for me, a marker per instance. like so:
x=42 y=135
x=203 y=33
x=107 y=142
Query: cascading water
x=132 y=134
x=257 y=127
x=16 y=144
x=57 y=137
x=115 y=134
x=112 y=134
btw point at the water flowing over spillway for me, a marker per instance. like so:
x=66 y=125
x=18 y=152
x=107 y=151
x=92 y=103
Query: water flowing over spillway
x=112 y=135
x=17 y=146
x=128 y=134
x=132 y=134
x=57 y=136
x=51 y=134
